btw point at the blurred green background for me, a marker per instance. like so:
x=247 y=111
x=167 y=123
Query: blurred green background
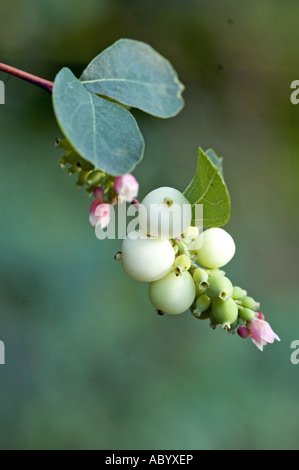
x=89 y=365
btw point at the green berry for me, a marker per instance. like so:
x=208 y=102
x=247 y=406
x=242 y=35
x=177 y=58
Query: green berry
x=182 y=263
x=214 y=272
x=249 y=302
x=204 y=315
x=200 y=290
x=202 y=304
x=95 y=177
x=225 y=312
x=213 y=321
x=238 y=293
x=219 y=286
x=247 y=314
x=82 y=177
x=182 y=249
x=199 y=275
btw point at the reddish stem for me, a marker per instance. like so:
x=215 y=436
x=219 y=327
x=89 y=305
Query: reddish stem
x=41 y=82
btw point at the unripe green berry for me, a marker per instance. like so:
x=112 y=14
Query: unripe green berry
x=199 y=275
x=200 y=290
x=182 y=249
x=214 y=272
x=249 y=302
x=238 y=293
x=204 y=315
x=173 y=294
x=213 y=321
x=247 y=314
x=182 y=263
x=225 y=312
x=82 y=177
x=219 y=286
x=202 y=304
x=95 y=177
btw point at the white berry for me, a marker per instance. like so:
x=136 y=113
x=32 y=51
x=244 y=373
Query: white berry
x=165 y=213
x=173 y=293
x=217 y=248
x=146 y=259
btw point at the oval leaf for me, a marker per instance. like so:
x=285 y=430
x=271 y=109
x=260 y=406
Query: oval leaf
x=208 y=188
x=134 y=74
x=102 y=132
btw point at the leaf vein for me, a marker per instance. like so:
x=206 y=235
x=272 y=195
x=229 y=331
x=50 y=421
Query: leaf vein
x=149 y=84
x=206 y=190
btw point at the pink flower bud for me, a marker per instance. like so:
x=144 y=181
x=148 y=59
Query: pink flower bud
x=98 y=193
x=260 y=315
x=99 y=213
x=262 y=333
x=243 y=332
x=126 y=186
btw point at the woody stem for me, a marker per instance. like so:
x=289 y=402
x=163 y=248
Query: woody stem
x=41 y=82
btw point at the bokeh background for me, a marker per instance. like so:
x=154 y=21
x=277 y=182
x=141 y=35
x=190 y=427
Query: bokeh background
x=89 y=365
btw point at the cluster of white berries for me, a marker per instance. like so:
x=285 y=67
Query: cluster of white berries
x=183 y=265
x=164 y=252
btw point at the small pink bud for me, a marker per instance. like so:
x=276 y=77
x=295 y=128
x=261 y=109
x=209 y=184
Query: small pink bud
x=262 y=333
x=260 y=315
x=92 y=211
x=126 y=186
x=98 y=193
x=243 y=332
x=99 y=213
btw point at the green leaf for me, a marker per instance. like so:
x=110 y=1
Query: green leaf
x=102 y=132
x=208 y=188
x=134 y=74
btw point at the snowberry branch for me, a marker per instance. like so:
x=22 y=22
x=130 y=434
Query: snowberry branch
x=41 y=82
